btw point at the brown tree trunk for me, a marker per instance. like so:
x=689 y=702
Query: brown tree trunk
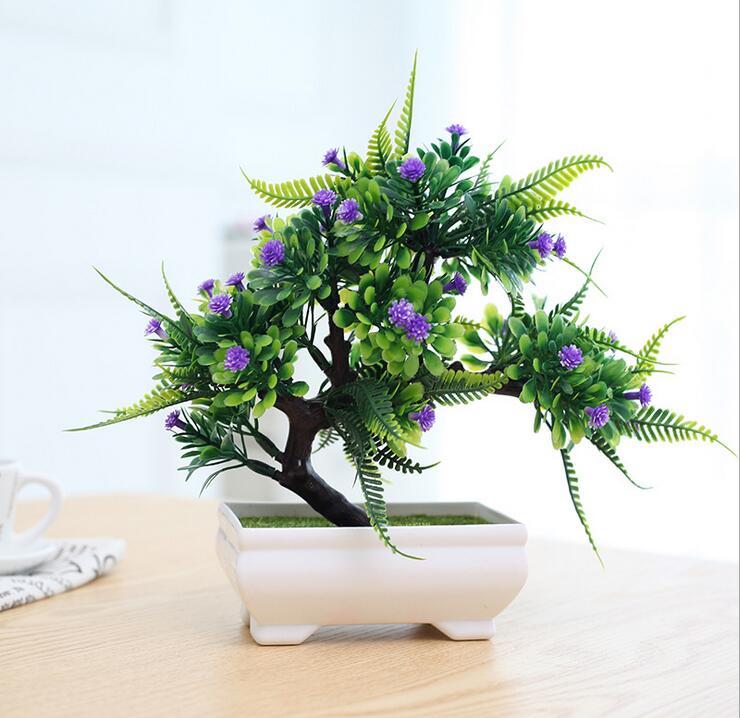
x=306 y=419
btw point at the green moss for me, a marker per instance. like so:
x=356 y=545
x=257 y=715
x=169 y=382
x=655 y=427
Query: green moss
x=285 y=522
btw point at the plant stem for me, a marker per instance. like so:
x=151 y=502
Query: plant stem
x=306 y=419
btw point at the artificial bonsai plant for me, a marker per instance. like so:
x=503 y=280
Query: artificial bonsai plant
x=373 y=257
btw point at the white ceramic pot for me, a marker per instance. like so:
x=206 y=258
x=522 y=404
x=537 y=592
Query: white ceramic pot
x=291 y=581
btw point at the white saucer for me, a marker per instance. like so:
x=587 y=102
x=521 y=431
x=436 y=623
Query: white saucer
x=20 y=560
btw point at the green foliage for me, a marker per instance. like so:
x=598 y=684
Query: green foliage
x=554 y=208
x=403 y=130
x=652 y=424
x=161 y=397
x=461 y=387
x=601 y=444
x=648 y=355
x=379 y=147
x=295 y=193
x=536 y=191
x=575 y=495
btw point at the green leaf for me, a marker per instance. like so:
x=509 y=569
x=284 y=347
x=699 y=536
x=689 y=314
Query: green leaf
x=575 y=495
x=296 y=193
x=379 y=146
x=648 y=355
x=461 y=387
x=537 y=189
x=343 y=318
x=403 y=129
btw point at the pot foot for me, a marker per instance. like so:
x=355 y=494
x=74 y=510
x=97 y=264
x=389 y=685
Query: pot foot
x=279 y=634
x=467 y=630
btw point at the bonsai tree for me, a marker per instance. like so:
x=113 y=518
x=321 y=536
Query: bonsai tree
x=362 y=276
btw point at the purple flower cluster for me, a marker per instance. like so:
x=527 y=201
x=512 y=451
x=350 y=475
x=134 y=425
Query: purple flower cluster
x=400 y=311
x=155 y=327
x=402 y=314
x=261 y=225
x=543 y=244
x=457 y=285
x=221 y=304
x=173 y=420
x=206 y=286
x=598 y=416
x=237 y=358
x=425 y=418
x=644 y=395
x=272 y=253
x=456 y=129
x=417 y=328
x=324 y=198
x=570 y=357
x=560 y=246
x=237 y=281
x=412 y=169
x=331 y=157
x=349 y=211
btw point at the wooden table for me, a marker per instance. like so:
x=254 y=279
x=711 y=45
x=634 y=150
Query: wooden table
x=648 y=636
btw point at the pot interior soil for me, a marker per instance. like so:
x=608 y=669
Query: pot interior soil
x=281 y=522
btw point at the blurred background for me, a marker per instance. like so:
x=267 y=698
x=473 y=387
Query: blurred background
x=123 y=129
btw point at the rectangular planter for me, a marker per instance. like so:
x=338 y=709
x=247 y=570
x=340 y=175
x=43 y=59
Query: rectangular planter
x=291 y=581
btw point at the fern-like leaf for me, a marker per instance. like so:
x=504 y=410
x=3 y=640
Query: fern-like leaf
x=602 y=339
x=461 y=387
x=297 y=193
x=385 y=456
x=555 y=208
x=174 y=329
x=605 y=448
x=539 y=188
x=375 y=506
x=575 y=496
x=652 y=424
x=374 y=406
x=326 y=438
x=649 y=353
x=159 y=398
x=379 y=147
x=180 y=310
x=403 y=128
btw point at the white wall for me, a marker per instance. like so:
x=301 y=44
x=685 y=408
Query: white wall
x=121 y=136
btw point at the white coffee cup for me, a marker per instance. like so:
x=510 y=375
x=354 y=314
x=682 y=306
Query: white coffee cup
x=12 y=480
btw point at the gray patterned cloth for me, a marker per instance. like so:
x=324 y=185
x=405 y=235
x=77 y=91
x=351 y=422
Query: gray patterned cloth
x=78 y=562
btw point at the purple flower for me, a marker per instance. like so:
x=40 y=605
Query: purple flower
x=400 y=312
x=324 y=198
x=613 y=336
x=412 y=169
x=331 y=157
x=425 y=417
x=173 y=420
x=456 y=285
x=207 y=287
x=570 y=356
x=456 y=129
x=236 y=280
x=417 y=328
x=236 y=358
x=272 y=253
x=598 y=416
x=560 y=246
x=543 y=244
x=644 y=395
x=221 y=304
x=349 y=211
x=261 y=225
x=155 y=327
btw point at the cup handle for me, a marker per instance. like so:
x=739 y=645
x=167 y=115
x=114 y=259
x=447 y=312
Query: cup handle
x=27 y=537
